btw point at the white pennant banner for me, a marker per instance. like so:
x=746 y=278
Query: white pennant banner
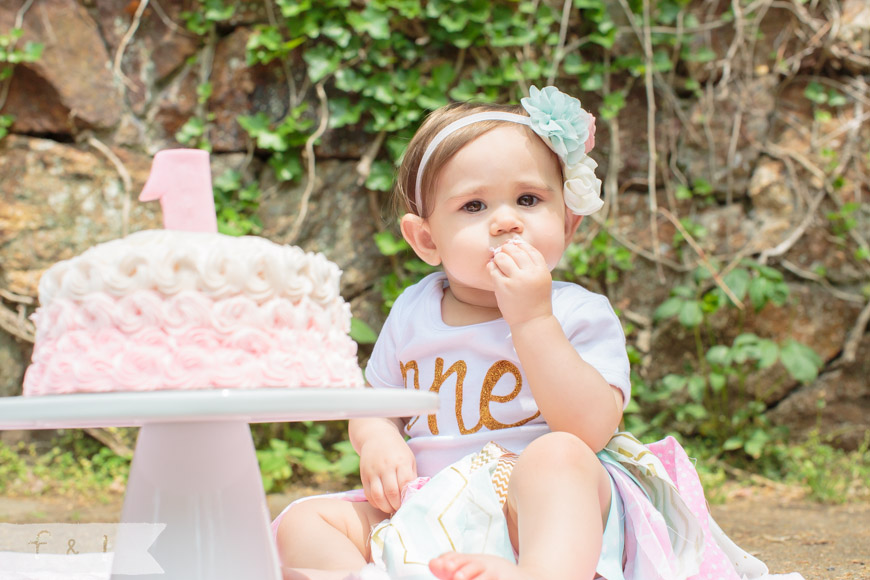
x=77 y=551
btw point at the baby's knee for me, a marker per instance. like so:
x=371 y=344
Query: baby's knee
x=558 y=449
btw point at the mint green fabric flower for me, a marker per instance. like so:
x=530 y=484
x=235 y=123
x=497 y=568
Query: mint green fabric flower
x=560 y=120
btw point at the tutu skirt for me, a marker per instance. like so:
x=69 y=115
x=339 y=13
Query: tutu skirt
x=658 y=527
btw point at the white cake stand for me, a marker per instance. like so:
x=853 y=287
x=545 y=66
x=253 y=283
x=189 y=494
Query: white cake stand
x=194 y=468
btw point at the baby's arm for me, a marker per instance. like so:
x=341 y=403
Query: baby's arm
x=571 y=394
x=386 y=461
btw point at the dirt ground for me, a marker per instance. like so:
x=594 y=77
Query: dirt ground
x=790 y=533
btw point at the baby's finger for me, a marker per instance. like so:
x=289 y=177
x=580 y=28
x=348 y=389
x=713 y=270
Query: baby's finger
x=506 y=263
x=406 y=474
x=374 y=493
x=520 y=255
x=526 y=251
x=494 y=270
x=392 y=493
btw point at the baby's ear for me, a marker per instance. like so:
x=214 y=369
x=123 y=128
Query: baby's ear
x=572 y=222
x=416 y=232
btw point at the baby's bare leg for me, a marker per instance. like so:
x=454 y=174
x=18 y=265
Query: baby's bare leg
x=558 y=500
x=326 y=535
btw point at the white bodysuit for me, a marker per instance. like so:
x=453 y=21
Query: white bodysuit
x=484 y=395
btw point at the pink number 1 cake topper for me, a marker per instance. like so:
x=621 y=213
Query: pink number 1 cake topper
x=181 y=180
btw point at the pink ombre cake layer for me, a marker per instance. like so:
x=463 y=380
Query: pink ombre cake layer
x=182 y=310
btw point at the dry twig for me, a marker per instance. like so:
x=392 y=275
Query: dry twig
x=651 y=137
x=12 y=297
x=703 y=257
x=110 y=440
x=122 y=46
x=563 y=34
x=125 y=179
x=850 y=347
x=309 y=153
x=364 y=167
x=16 y=324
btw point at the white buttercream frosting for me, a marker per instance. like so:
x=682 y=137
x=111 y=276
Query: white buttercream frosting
x=170 y=262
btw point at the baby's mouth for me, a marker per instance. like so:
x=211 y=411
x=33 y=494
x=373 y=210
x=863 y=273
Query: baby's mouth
x=516 y=240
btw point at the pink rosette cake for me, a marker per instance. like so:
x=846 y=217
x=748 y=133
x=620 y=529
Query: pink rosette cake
x=165 y=309
x=172 y=309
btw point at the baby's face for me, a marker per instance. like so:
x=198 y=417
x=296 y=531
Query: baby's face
x=506 y=185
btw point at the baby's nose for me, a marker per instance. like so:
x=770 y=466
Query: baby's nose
x=505 y=220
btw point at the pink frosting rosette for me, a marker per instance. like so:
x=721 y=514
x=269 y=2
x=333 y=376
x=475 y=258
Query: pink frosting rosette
x=188 y=308
x=234 y=313
x=138 y=311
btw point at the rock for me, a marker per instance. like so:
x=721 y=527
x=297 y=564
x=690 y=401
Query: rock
x=812 y=316
x=74 y=64
x=159 y=47
x=713 y=121
x=175 y=104
x=239 y=90
x=57 y=201
x=339 y=222
x=35 y=104
x=838 y=404
x=850 y=46
x=773 y=204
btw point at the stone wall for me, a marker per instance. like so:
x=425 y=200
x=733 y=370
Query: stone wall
x=90 y=113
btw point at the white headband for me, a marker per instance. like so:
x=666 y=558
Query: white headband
x=562 y=124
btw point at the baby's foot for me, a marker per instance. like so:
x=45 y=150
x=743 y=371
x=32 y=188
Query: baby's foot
x=456 y=566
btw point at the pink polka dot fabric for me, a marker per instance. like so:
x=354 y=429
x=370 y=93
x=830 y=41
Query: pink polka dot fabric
x=715 y=565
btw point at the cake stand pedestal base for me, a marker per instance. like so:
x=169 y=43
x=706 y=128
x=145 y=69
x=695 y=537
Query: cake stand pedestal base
x=202 y=480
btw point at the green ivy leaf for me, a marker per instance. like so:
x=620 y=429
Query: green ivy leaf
x=732 y=443
x=322 y=61
x=217 y=11
x=816 y=93
x=756 y=442
x=371 y=21
x=696 y=387
x=5 y=122
x=719 y=355
x=738 y=281
x=674 y=383
x=699 y=54
x=759 y=288
x=388 y=245
x=381 y=176
x=286 y=165
x=801 y=362
x=718 y=382
x=191 y=131
x=669 y=308
x=768 y=353
x=691 y=314
x=293 y=8
x=362 y=332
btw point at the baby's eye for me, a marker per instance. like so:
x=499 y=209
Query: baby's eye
x=528 y=200
x=473 y=206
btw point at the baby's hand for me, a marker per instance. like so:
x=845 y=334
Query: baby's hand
x=386 y=466
x=522 y=282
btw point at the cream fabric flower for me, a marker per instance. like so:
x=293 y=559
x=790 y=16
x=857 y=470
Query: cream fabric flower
x=582 y=188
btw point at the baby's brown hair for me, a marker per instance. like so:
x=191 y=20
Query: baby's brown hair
x=406 y=180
